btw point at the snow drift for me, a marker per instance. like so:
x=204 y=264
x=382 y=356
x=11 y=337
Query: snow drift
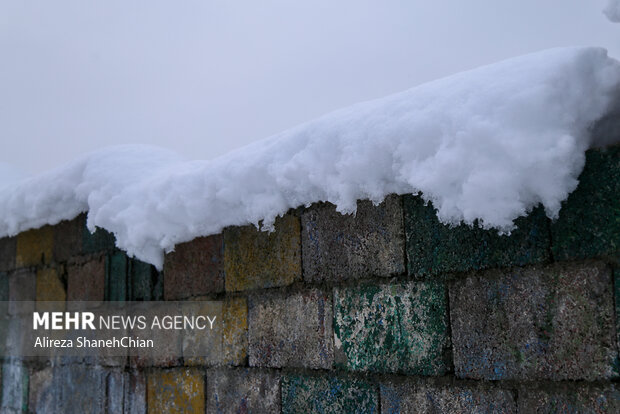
x=488 y=144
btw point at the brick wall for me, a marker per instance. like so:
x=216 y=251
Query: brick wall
x=388 y=311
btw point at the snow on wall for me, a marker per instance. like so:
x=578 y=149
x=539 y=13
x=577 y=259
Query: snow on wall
x=486 y=144
x=612 y=10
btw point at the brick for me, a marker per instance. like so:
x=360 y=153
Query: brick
x=195 y=268
x=235 y=339
x=589 y=221
x=68 y=236
x=86 y=280
x=176 y=391
x=22 y=288
x=243 y=390
x=145 y=282
x=392 y=328
x=34 y=247
x=255 y=259
x=116 y=277
x=169 y=349
x=7 y=253
x=4 y=289
x=337 y=247
x=14 y=388
x=79 y=389
x=41 y=398
x=100 y=240
x=434 y=248
x=617 y=297
x=327 y=395
x=49 y=286
x=553 y=323
x=203 y=347
x=570 y=399
x=135 y=393
x=291 y=331
x=408 y=397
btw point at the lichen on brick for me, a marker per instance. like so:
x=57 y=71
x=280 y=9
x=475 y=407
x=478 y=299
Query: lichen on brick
x=392 y=328
x=179 y=390
x=434 y=248
x=327 y=395
x=255 y=259
x=589 y=221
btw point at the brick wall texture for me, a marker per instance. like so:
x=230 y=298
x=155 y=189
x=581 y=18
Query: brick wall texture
x=384 y=311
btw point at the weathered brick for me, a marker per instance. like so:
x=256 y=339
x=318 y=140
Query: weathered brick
x=195 y=268
x=4 y=289
x=392 y=328
x=176 y=391
x=116 y=276
x=255 y=259
x=34 y=247
x=589 y=221
x=49 y=286
x=327 y=395
x=100 y=240
x=235 y=340
x=617 y=297
x=408 y=397
x=203 y=347
x=291 y=331
x=145 y=282
x=574 y=398
x=79 y=389
x=337 y=247
x=22 y=291
x=86 y=281
x=552 y=323
x=7 y=253
x=41 y=398
x=434 y=248
x=14 y=388
x=68 y=236
x=135 y=393
x=243 y=390
x=169 y=349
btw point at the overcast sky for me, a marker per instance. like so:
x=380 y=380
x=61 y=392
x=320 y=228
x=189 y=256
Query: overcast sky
x=204 y=77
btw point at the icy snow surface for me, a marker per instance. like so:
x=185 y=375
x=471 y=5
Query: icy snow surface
x=612 y=11
x=487 y=144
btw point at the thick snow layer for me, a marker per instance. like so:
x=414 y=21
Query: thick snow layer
x=487 y=144
x=612 y=11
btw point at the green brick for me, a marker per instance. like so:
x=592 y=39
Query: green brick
x=146 y=282
x=256 y=259
x=392 y=328
x=100 y=240
x=7 y=253
x=116 y=277
x=589 y=221
x=327 y=395
x=434 y=248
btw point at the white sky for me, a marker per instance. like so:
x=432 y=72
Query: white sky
x=204 y=77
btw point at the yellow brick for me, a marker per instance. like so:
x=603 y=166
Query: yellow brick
x=49 y=288
x=256 y=259
x=235 y=340
x=176 y=391
x=34 y=247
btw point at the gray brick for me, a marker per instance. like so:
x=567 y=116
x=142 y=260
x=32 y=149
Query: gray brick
x=337 y=247
x=572 y=398
x=411 y=397
x=552 y=323
x=292 y=331
x=14 y=388
x=7 y=253
x=243 y=390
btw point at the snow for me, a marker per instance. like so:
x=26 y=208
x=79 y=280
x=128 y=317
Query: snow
x=487 y=144
x=612 y=10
